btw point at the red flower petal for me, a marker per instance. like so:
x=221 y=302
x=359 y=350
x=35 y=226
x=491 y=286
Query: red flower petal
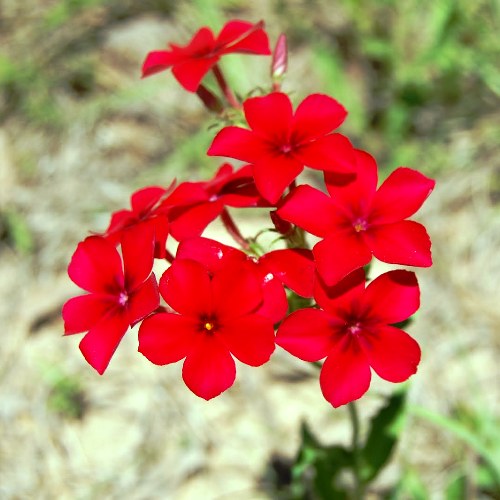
x=293 y=267
x=316 y=116
x=119 y=220
x=191 y=221
x=308 y=334
x=167 y=338
x=392 y=353
x=209 y=368
x=239 y=143
x=201 y=44
x=400 y=196
x=310 y=209
x=145 y=199
x=393 y=296
x=81 y=313
x=346 y=374
x=157 y=61
x=353 y=193
x=249 y=338
x=100 y=343
x=236 y=289
x=144 y=300
x=332 y=152
x=96 y=266
x=191 y=72
x=340 y=299
x=210 y=253
x=138 y=246
x=273 y=175
x=275 y=302
x=404 y=242
x=252 y=38
x=339 y=254
x=258 y=111
x=186 y=287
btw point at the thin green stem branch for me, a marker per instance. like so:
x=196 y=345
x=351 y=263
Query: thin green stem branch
x=358 y=481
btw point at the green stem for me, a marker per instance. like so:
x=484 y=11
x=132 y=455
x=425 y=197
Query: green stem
x=358 y=481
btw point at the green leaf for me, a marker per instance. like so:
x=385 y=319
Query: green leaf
x=409 y=486
x=385 y=428
x=317 y=468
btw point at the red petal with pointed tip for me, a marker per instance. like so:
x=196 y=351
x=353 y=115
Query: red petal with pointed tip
x=100 y=343
x=191 y=72
x=273 y=175
x=400 y=196
x=138 y=245
x=393 y=296
x=249 y=338
x=404 y=242
x=186 y=287
x=81 y=313
x=392 y=353
x=144 y=300
x=167 y=338
x=311 y=210
x=339 y=254
x=346 y=374
x=239 y=143
x=332 y=152
x=316 y=116
x=157 y=61
x=308 y=334
x=293 y=267
x=119 y=220
x=253 y=38
x=259 y=110
x=353 y=193
x=209 y=369
x=96 y=266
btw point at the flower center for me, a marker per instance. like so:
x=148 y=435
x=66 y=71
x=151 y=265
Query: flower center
x=209 y=326
x=286 y=148
x=354 y=329
x=123 y=298
x=360 y=225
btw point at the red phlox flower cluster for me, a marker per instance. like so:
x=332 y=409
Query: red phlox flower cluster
x=216 y=303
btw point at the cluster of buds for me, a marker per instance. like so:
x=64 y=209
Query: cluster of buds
x=215 y=302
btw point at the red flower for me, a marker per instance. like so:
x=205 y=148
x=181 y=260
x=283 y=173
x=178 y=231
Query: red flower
x=216 y=320
x=293 y=268
x=144 y=212
x=280 y=143
x=352 y=331
x=358 y=221
x=119 y=296
x=191 y=63
x=193 y=205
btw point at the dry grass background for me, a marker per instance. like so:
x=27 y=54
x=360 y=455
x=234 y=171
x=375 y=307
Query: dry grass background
x=77 y=135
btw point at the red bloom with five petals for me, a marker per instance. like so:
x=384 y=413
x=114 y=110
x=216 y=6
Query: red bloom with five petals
x=359 y=220
x=119 y=295
x=353 y=332
x=216 y=320
x=191 y=63
x=281 y=142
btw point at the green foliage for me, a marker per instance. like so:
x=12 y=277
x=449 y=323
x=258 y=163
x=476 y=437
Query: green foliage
x=66 y=396
x=385 y=429
x=15 y=232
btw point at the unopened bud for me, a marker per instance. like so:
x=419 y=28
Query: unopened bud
x=280 y=58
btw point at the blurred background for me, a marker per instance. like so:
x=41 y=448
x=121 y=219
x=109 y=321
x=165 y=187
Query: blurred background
x=79 y=131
